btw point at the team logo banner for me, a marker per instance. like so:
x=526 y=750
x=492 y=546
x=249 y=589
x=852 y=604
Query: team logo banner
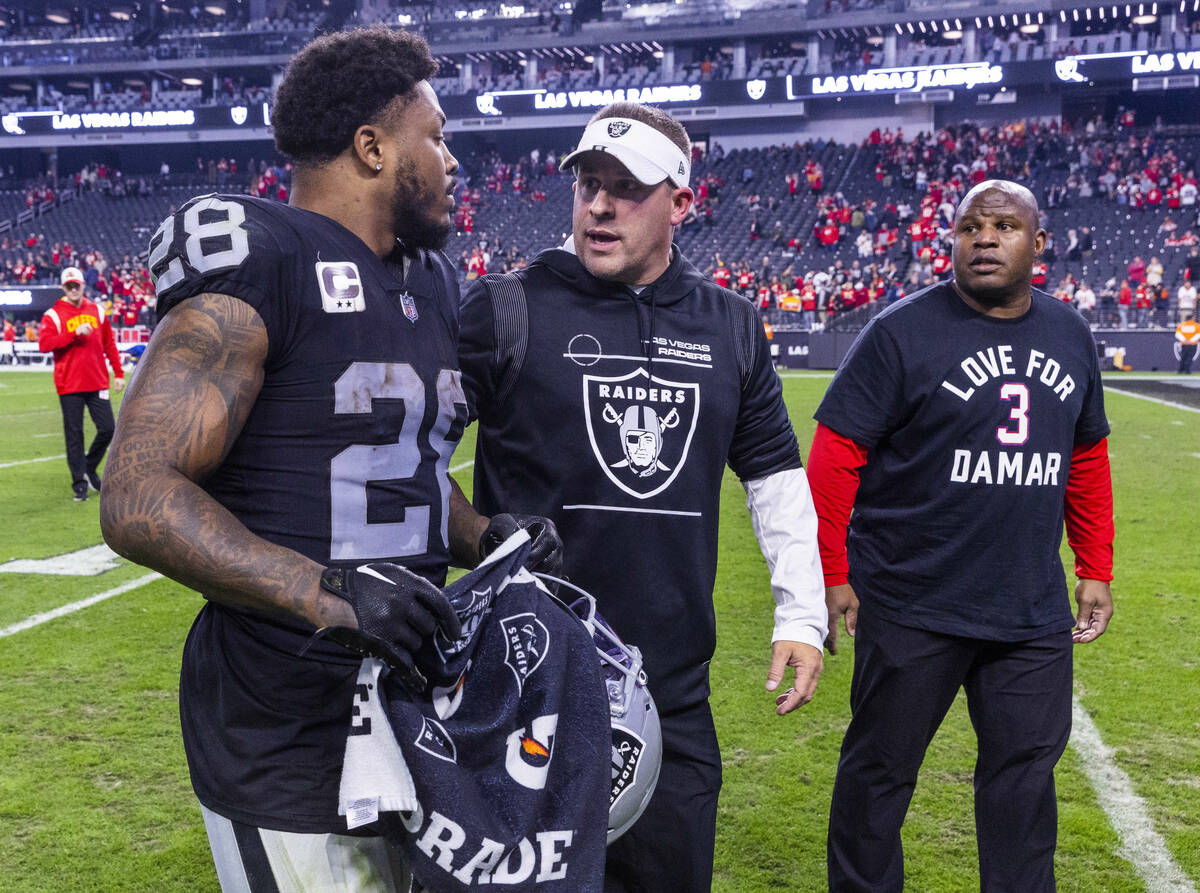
x=640 y=428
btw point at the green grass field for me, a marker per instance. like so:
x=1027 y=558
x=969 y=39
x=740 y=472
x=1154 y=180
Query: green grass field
x=94 y=793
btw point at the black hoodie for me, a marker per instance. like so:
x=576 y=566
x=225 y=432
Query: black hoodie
x=614 y=414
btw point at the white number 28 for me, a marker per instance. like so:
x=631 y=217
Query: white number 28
x=351 y=470
x=218 y=243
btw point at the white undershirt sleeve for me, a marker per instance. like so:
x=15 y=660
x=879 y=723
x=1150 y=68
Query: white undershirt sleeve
x=785 y=523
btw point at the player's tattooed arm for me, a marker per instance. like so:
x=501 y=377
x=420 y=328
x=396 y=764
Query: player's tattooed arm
x=188 y=402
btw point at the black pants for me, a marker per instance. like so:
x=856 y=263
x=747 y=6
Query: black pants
x=1019 y=698
x=100 y=410
x=670 y=848
x=1187 y=353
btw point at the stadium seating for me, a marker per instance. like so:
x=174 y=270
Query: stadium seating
x=515 y=226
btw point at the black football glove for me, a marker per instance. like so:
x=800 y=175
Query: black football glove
x=395 y=610
x=546 y=546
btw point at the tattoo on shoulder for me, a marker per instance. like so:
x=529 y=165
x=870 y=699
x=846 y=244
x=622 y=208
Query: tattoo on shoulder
x=200 y=376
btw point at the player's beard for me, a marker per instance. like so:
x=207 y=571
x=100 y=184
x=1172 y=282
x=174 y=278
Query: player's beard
x=410 y=208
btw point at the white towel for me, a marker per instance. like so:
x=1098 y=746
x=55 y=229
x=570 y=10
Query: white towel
x=375 y=776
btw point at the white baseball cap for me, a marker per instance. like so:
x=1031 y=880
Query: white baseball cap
x=72 y=274
x=649 y=155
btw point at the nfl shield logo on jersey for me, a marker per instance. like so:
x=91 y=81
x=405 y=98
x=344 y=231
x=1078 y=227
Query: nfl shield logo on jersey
x=641 y=428
x=341 y=287
x=409 y=304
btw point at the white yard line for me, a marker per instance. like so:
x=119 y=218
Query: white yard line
x=25 y=415
x=38 y=619
x=30 y=461
x=1111 y=390
x=462 y=466
x=1141 y=845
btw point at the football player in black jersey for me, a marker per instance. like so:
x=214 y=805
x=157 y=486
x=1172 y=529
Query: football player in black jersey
x=286 y=450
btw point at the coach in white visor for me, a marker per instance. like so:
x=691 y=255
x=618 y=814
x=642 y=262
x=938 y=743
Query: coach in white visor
x=613 y=382
x=647 y=153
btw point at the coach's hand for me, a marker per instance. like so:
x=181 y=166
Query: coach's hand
x=546 y=547
x=841 y=602
x=1094 y=598
x=808 y=663
x=395 y=610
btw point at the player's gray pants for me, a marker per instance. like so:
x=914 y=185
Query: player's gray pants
x=259 y=860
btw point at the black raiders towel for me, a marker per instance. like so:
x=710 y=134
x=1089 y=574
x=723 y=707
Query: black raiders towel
x=499 y=775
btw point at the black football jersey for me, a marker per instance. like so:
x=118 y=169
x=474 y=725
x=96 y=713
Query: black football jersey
x=343 y=458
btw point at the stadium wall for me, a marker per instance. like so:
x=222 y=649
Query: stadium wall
x=1149 y=351
x=849 y=125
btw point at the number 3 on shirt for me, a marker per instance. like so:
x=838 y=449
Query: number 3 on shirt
x=1019 y=413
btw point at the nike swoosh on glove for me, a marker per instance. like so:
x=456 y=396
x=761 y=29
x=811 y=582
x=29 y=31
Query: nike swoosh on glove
x=395 y=609
x=546 y=549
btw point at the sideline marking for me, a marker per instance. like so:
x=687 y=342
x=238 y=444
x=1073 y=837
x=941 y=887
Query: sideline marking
x=23 y=415
x=89 y=562
x=1109 y=390
x=1142 y=846
x=38 y=619
x=31 y=461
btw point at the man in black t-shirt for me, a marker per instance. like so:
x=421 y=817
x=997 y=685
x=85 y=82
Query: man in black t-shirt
x=962 y=427
x=285 y=451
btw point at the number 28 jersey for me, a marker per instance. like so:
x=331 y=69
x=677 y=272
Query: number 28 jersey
x=344 y=458
x=344 y=455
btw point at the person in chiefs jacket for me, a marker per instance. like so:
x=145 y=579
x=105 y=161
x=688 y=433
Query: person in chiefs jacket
x=79 y=333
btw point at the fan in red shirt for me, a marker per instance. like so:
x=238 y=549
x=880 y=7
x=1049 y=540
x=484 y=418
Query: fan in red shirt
x=828 y=235
x=79 y=333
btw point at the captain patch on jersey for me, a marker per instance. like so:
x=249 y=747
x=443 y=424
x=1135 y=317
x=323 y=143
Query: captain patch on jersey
x=640 y=428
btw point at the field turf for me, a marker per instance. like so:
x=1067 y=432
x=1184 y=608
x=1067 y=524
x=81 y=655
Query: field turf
x=94 y=793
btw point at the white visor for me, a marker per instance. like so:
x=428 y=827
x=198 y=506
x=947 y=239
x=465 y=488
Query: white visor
x=649 y=155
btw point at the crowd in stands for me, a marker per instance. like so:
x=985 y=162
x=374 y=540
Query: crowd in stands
x=895 y=237
x=124 y=287
x=811 y=232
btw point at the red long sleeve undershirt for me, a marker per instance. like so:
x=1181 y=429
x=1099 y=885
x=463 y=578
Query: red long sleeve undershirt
x=1088 y=511
x=834 y=461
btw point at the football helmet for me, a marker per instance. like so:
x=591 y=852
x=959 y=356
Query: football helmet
x=636 y=734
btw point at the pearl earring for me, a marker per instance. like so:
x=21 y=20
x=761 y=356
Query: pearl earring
x=379 y=166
